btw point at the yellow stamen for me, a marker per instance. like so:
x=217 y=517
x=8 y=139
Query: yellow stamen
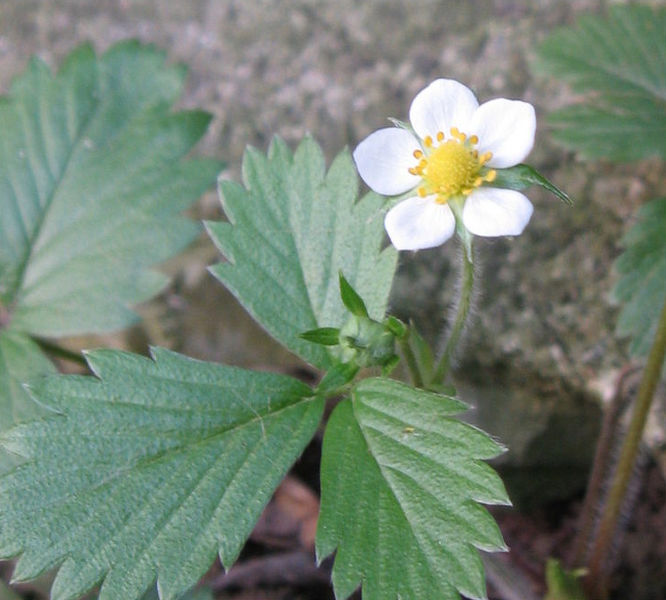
x=451 y=167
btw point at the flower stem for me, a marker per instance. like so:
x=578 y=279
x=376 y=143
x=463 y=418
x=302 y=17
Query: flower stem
x=625 y=465
x=464 y=305
x=412 y=363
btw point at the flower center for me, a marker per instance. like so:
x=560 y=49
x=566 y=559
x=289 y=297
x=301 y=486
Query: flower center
x=452 y=168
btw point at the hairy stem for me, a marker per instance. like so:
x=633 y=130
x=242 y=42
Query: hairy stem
x=466 y=285
x=626 y=461
x=606 y=450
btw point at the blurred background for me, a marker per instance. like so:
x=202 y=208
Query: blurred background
x=541 y=355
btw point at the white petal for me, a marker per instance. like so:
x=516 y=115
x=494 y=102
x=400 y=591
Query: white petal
x=383 y=160
x=445 y=103
x=418 y=223
x=505 y=128
x=491 y=212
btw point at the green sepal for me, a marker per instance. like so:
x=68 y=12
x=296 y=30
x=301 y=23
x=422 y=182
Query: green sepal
x=366 y=343
x=523 y=176
x=390 y=364
x=352 y=301
x=402 y=125
x=325 y=336
x=336 y=378
x=422 y=352
x=397 y=327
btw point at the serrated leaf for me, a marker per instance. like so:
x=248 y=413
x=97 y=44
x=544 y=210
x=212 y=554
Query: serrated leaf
x=199 y=593
x=147 y=471
x=91 y=187
x=292 y=228
x=20 y=359
x=401 y=482
x=642 y=284
x=619 y=63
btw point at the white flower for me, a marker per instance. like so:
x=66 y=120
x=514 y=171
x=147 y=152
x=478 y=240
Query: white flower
x=459 y=145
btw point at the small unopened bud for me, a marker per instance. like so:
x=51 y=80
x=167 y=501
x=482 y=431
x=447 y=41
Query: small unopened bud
x=367 y=343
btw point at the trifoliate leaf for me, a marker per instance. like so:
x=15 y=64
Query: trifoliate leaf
x=642 y=284
x=91 y=187
x=147 y=471
x=401 y=482
x=291 y=229
x=618 y=62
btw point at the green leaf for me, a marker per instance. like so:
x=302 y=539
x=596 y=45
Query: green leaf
x=522 y=176
x=642 y=269
x=20 y=359
x=352 y=301
x=618 y=63
x=292 y=228
x=401 y=482
x=91 y=187
x=147 y=471
x=199 y=593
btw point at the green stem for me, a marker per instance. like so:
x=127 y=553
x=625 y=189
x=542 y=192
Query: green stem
x=412 y=363
x=464 y=305
x=625 y=465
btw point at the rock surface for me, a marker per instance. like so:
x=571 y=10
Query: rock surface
x=541 y=352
